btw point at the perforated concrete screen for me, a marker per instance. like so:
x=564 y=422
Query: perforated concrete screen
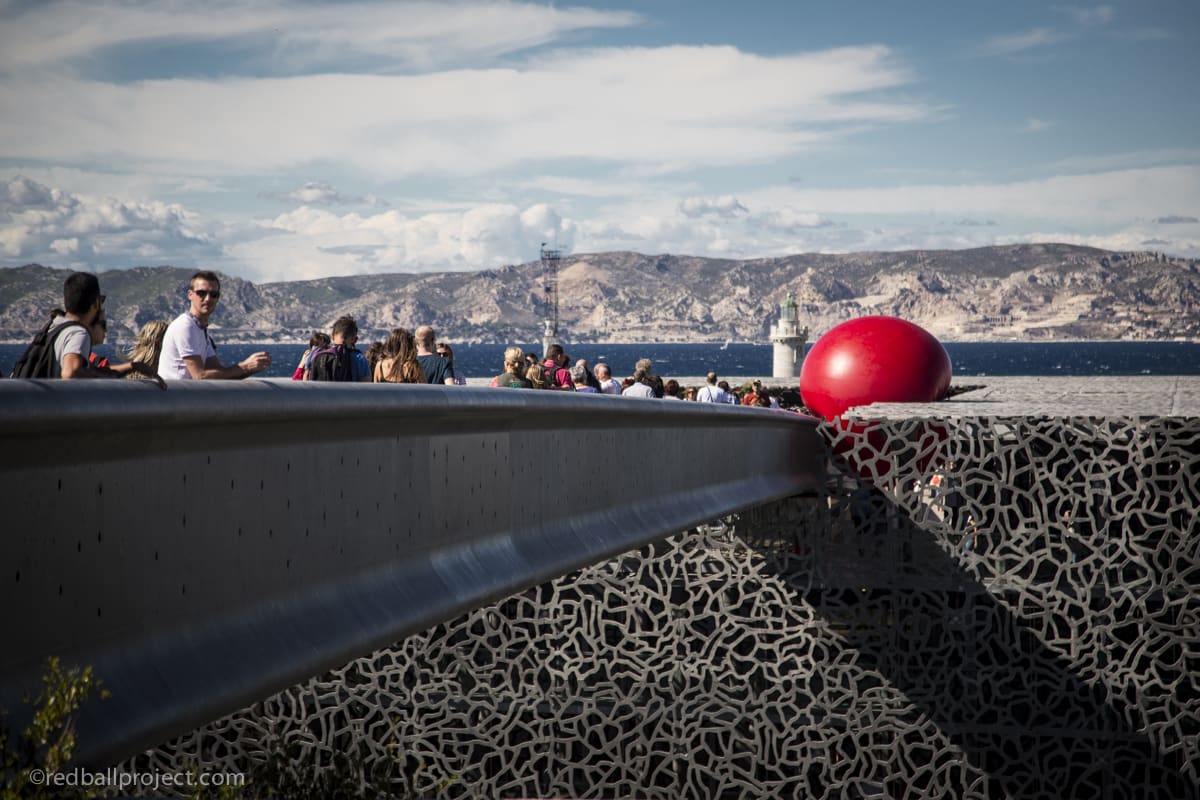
x=1009 y=609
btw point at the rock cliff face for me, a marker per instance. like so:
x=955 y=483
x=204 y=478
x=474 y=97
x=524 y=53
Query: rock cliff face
x=1019 y=292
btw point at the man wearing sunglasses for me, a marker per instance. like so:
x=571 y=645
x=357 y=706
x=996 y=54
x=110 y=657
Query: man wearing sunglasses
x=188 y=352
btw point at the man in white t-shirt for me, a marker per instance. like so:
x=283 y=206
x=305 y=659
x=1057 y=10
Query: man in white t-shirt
x=188 y=352
x=608 y=385
x=711 y=392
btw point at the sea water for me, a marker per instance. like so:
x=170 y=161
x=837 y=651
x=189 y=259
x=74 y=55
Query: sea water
x=755 y=360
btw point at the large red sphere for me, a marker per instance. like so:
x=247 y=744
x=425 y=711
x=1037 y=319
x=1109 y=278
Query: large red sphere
x=873 y=360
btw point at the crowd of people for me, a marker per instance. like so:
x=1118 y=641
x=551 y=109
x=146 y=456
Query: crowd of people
x=179 y=350
x=184 y=350
x=552 y=370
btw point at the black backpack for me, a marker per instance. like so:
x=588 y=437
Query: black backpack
x=38 y=360
x=551 y=374
x=331 y=363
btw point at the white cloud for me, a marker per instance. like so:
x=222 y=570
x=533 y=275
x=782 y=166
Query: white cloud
x=659 y=108
x=66 y=247
x=21 y=194
x=790 y=220
x=1035 y=125
x=308 y=242
x=36 y=221
x=723 y=206
x=662 y=224
x=1096 y=200
x=1108 y=209
x=1130 y=160
x=544 y=221
x=606 y=186
x=297 y=35
x=1020 y=42
x=322 y=194
x=76 y=180
x=1118 y=209
x=1124 y=240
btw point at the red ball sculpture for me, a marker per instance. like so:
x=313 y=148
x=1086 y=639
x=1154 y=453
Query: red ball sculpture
x=873 y=360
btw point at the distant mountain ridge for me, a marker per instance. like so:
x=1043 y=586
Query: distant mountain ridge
x=1012 y=292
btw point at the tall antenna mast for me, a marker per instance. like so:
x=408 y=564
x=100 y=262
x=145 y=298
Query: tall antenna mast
x=550 y=261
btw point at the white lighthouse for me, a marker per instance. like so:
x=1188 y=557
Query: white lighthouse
x=788 y=338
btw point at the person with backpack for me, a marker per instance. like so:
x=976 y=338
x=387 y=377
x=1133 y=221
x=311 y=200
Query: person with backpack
x=188 y=352
x=340 y=360
x=554 y=368
x=63 y=348
x=318 y=339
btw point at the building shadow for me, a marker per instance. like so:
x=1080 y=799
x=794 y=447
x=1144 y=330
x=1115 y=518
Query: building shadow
x=1038 y=680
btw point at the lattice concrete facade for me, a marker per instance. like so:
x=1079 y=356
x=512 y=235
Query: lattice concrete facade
x=1012 y=612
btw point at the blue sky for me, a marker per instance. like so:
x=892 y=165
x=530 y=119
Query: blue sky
x=285 y=140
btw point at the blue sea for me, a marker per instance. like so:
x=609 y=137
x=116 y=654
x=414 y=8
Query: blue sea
x=749 y=360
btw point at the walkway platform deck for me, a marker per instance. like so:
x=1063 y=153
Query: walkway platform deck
x=1037 y=396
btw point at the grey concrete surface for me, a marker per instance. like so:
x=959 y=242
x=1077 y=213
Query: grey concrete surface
x=205 y=546
x=1123 y=396
x=1132 y=396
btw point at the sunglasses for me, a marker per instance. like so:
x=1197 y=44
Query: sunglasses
x=204 y=294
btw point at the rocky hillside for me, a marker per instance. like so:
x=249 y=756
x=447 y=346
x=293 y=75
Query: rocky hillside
x=1019 y=292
